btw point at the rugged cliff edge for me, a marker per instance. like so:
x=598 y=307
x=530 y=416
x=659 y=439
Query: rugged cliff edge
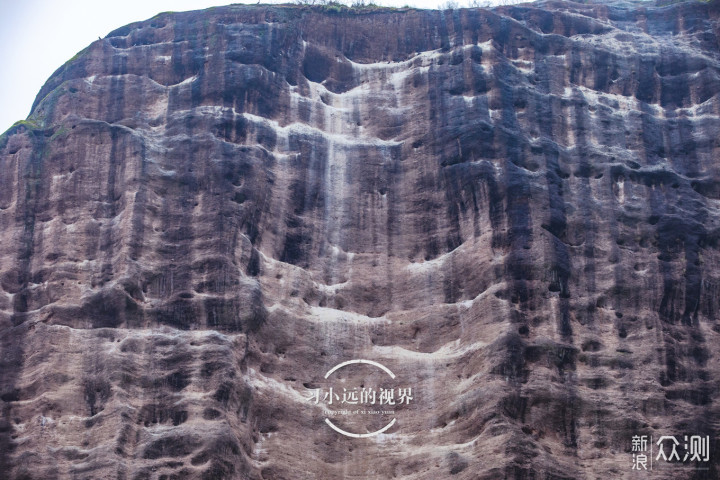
x=516 y=210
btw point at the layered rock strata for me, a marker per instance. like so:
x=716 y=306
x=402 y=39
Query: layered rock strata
x=515 y=210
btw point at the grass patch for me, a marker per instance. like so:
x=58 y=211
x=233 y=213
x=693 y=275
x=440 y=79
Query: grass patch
x=62 y=131
x=29 y=124
x=78 y=55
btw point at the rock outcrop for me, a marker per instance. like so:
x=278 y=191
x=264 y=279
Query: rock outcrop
x=516 y=210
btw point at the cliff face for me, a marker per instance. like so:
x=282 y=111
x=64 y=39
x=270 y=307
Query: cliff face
x=515 y=210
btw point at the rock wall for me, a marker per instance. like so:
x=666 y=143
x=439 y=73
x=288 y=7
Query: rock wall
x=515 y=210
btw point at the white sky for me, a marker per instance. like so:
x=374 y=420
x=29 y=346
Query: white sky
x=38 y=36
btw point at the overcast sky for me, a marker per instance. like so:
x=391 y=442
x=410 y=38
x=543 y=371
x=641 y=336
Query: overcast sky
x=38 y=36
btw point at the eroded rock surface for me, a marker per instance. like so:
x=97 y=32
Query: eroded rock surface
x=516 y=210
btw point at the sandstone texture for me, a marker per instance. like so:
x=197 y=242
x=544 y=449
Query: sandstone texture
x=516 y=210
